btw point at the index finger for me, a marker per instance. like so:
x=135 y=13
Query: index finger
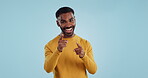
x=79 y=46
x=61 y=36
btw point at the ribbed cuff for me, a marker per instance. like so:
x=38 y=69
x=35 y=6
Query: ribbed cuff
x=57 y=52
x=85 y=57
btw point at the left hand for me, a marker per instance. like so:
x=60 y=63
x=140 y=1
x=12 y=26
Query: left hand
x=79 y=51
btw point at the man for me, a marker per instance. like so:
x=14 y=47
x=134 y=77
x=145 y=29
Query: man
x=68 y=55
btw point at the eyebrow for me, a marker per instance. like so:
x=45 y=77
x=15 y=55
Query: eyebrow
x=69 y=19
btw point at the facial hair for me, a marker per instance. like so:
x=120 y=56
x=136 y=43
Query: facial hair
x=68 y=34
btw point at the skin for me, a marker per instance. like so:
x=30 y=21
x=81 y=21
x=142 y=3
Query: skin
x=66 y=20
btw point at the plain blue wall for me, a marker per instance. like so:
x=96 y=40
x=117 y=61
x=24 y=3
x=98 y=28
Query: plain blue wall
x=117 y=30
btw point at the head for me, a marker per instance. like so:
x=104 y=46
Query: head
x=66 y=21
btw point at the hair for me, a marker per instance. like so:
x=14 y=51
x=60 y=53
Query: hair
x=63 y=10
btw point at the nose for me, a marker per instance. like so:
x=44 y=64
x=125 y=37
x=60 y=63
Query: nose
x=68 y=24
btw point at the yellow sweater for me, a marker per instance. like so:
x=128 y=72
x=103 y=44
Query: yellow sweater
x=67 y=64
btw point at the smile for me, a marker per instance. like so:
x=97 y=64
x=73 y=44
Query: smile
x=69 y=29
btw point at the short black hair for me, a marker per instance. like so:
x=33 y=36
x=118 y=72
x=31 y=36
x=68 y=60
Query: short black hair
x=63 y=10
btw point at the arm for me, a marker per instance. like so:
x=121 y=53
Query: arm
x=51 y=59
x=89 y=60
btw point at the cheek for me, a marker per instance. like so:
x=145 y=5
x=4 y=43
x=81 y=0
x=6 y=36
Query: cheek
x=62 y=26
x=73 y=23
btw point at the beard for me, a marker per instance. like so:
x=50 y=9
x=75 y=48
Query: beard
x=68 y=31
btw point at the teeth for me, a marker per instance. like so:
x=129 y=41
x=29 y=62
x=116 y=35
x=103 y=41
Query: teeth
x=69 y=29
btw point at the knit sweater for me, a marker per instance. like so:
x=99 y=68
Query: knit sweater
x=67 y=64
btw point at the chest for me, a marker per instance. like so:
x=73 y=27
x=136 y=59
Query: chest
x=68 y=56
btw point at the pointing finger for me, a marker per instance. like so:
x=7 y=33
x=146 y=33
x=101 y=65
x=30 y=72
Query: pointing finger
x=61 y=36
x=79 y=46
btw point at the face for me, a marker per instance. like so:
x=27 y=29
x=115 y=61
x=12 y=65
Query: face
x=66 y=22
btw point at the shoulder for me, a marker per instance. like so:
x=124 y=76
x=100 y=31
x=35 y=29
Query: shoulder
x=82 y=40
x=52 y=42
x=85 y=43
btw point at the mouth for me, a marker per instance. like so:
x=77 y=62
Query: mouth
x=68 y=30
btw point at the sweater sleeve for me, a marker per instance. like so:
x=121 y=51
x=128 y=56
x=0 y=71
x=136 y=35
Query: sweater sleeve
x=51 y=59
x=88 y=60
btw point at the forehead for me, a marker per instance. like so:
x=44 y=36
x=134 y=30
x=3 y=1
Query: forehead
x=66 y=16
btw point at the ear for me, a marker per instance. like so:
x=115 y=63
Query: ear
x=74 y=19
x=58 y=23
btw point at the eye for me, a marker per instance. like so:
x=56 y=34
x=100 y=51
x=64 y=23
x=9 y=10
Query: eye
x=62 y=21
x=71 y=20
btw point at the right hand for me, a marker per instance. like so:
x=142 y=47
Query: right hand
x=61 y=43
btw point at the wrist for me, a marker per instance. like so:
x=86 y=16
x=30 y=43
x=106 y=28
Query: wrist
x=59 y=49
x=82 y=55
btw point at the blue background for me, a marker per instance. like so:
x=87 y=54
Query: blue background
x=117 y=30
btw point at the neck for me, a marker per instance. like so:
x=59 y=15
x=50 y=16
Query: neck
x=68 y=36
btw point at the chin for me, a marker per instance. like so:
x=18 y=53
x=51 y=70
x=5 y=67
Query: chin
x=69 y=34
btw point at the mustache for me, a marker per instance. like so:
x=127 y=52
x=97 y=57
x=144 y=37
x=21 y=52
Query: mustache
x=68 y=27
